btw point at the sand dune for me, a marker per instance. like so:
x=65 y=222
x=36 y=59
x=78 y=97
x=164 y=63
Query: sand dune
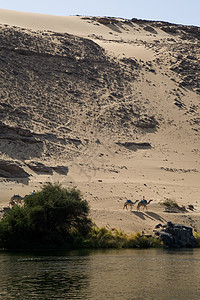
x=114 y=100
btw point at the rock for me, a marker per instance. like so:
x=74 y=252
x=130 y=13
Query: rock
x=17 y=134
x=9 y=130
x=61 y=170
x=179 y=103
x=156 y=232
x=177 y=236
x=191 y=207
x=146 y=122
x=76 y=142
x=158 y=225
x=106 y=20
x=135 y=146
x=11 y=169
x=169 y=29
x=167 y=239
x=150 y=29
x=39 y=168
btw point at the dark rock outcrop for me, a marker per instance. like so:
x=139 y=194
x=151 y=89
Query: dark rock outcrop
x=11 y=169
x=61 y=170
x=177 y=236
x=39 y=168
x=147 y=122
x=12 y=133
x=150 y=29
x=135 y=146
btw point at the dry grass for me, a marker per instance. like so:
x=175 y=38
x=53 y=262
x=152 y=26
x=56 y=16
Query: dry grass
x=172 y=205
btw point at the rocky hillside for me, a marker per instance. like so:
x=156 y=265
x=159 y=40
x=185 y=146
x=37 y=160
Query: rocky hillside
x=61 y=94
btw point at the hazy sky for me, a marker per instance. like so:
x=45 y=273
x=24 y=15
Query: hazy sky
x=175 y=11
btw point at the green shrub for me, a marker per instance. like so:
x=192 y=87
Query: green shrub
x=197 y=238
x=104 y=238
x=141 y=241
x=49 y=218
x=14 y=227
x=100 y=238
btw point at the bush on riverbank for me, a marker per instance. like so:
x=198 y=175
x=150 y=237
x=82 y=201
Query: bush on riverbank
x=48 y=219
x=197 y=238
x=104 y=238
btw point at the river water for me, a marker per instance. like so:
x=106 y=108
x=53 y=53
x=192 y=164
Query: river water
x=112 y=274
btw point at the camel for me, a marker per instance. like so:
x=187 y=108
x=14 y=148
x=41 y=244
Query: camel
x=143 y=203
x=129 y=203
x=16 y=199
x=11 y=203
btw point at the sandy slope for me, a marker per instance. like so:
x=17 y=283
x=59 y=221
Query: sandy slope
x=108 y=173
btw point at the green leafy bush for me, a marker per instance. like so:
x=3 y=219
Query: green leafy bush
x=49 y=219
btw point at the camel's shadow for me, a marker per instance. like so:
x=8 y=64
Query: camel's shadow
x=155 y=216
x=141 y=215
x=147 y=214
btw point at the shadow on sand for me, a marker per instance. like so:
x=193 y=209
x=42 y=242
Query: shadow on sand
x=147 y=214
x=24 y=181
x=141 y=215
x=155 y=216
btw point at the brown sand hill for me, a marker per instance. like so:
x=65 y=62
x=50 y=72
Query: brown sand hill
x=108 y=105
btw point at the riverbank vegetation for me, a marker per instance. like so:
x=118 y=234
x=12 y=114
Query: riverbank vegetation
x=197 y=238
x=104 y=238
x=56 y=218
x=50 y=218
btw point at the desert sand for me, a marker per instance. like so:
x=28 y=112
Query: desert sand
x=132 y=132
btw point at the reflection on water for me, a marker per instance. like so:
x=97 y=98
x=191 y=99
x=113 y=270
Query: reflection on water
x=113 y=274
